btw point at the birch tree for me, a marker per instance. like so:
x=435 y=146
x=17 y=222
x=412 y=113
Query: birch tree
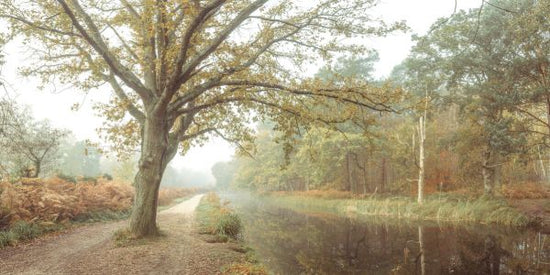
x=183 y=71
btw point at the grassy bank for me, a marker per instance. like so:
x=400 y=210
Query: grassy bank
x=441 y=208
x=218 y=223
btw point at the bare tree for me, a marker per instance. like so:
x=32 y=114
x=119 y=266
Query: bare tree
x=28 y=147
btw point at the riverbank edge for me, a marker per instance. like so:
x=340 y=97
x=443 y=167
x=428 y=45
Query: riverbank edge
x=447 y=208
x=212 y=216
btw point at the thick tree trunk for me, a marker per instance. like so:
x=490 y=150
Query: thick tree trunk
x=37 y=168
x=153 y=161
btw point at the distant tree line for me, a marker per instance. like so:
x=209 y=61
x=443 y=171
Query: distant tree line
x=476 y=87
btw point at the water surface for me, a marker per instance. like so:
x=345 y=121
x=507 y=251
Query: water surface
x=290 y=242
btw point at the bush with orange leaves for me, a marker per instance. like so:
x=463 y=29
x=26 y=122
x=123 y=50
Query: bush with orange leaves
x=528 y=190
x=55 y=200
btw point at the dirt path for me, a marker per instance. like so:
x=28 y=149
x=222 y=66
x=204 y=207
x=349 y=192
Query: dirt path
x=91 y=250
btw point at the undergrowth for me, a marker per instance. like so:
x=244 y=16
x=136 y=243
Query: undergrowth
x=528 y=190
x=442 y=208
x=25 y=231
x=218 y=220
x=32 y=207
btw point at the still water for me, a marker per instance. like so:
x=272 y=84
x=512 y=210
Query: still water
x=289 y=242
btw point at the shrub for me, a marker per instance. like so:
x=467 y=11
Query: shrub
x=215 y=219
x=229 y=224
x=107 y=177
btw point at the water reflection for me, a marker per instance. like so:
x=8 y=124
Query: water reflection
x=295 y=243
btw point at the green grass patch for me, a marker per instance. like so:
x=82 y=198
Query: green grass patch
x=218 y=220
x=102 y=216
x=441 y=208
x=223 y=225
x=25 y=231
x=8 y=238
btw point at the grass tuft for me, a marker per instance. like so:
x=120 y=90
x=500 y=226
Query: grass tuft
x=229 y=224
x=26 y=231
x=217 y=219
x=7 y=238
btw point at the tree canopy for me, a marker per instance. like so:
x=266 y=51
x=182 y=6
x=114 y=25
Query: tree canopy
x=184 y=70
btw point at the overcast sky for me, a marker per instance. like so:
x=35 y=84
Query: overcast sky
x=56 y=105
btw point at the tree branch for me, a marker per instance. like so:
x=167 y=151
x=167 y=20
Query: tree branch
x=132 y=109
x=93 y=37
x=187 y=69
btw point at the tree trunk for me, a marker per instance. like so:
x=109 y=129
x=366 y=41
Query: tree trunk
x=365 y=178
x=37 y=168
x=487 y=172
x=153 y=161
x=422 y=250
x=383 y=175
x=350 y=176
x=497 y=172
x=548 y=124
x=421 y=141
x=542 y=167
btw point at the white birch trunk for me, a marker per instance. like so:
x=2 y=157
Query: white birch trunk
x=421 y=157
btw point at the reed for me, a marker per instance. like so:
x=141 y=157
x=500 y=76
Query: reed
x=440 y=208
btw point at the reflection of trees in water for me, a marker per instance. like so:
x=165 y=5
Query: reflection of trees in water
x=293 y=243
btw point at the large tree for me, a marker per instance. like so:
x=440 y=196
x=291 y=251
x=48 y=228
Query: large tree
x=184 y=70
x=472 y=61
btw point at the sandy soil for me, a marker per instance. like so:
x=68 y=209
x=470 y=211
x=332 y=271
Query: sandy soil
x=91 y=250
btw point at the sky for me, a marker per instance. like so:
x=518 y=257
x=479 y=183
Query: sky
x=54 y=103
